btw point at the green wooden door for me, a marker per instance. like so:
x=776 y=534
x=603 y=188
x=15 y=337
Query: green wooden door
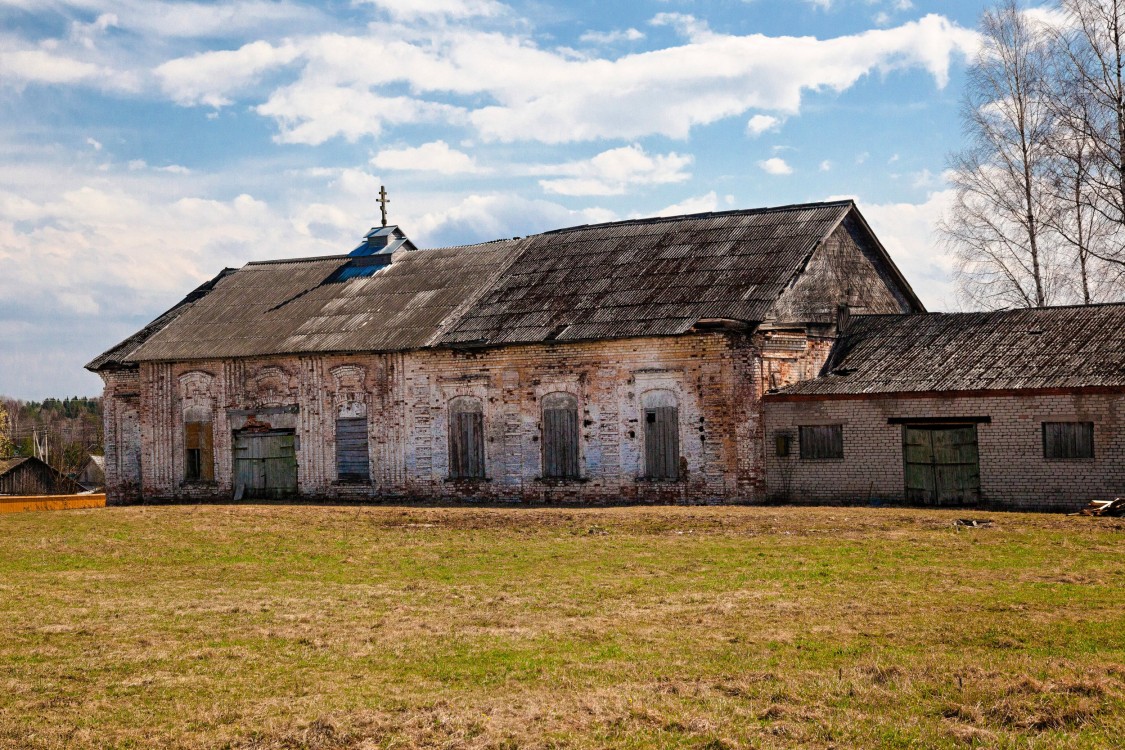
x=942 y=465
x=265 y=464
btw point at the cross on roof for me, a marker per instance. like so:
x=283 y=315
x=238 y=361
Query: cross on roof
x=383 y=201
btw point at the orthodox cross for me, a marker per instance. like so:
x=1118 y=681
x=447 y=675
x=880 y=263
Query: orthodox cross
x=383 y=201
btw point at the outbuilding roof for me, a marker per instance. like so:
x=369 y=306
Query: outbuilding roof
x=632 y=278
x=7 y=464
x=1044 y=348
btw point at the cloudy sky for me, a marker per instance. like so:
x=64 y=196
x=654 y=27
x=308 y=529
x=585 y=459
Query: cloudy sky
x=146 y=144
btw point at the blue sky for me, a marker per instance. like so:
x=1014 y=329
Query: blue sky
x=146 y=144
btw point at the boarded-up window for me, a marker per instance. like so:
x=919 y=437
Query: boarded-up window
x=1068 y=439
x=782 y=444
x=560 y=436
x=662 y=435
x=466 y=438
x=352 y=461
x=199 y=452
x=822 y=441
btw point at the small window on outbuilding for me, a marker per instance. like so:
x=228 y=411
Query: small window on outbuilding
x=662 y=435
x=353 y=464
x=782 y=444
x=560 y=436
x=199 y=452
x=1065 y=440
x=466 y=438
x=822 y=441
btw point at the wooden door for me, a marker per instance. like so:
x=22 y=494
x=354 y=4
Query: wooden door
x=466 y=445
x=265 y=464
x=942 y=464
x=560 y=443
x=662 y=442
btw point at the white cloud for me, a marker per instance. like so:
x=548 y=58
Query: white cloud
x=211 y=78
x=826 y=166
x=775 y=166
x=479 y=218
x=759 y=124
x=686 y=24
x=40 y=66
x=907 y=230
x=509 y=89
x=429 y=157
x=347 y=112
x=612 y=37
x=412 y=9
x=696 y=205
x=613 y=172
x=94 y=144
x=166 y=19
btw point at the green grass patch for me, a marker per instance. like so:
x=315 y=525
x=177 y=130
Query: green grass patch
x=344 y=627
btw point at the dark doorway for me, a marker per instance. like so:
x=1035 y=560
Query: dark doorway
x=265 y=464
x=942 y=464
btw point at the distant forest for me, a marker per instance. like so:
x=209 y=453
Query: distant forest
x=63 y=432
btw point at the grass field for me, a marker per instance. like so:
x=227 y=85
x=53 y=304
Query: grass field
x=336 y=627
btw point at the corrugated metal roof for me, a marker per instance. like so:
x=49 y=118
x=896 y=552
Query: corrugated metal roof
x=1054 y=347
x=650 y=277
x=281 y=307
x=624 y=279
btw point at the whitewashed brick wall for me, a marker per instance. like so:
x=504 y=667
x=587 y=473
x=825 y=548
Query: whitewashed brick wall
x=1014 y=472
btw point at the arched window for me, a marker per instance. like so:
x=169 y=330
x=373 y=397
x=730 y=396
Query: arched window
x=466 y=438
x=560 y=436
x=662 y=435
x=199 y=445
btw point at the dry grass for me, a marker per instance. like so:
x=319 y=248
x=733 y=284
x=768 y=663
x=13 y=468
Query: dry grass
x=332 y=628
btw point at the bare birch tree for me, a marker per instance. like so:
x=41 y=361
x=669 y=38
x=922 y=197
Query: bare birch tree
x=1089 y=101
x=1000 y=223
x=1078 y=218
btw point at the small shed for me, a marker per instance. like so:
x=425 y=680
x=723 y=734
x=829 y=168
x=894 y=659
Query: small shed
x=26 y=475
x=1023 y=409
x=92 y=474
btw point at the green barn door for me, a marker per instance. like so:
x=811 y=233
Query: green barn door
x=265 y=464
x=942 y=464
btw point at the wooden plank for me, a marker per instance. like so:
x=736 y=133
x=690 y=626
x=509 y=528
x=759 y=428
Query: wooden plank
x=662 y=442
x=560 y=443
x=26 y=503
x=941 y=465
x=466 y=460
x=352 y=457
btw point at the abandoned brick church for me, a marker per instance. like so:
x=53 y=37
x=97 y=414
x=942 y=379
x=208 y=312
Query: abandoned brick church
x=725 y=357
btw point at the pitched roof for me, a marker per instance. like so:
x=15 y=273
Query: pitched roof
x=648 y=277
x=631 y=278
x=7 y=464
x=1054 y=347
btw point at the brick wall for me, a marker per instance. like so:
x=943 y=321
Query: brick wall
x=122 y=421
x=1013 y=470
x=717 y=379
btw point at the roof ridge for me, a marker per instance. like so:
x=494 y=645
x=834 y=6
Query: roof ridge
x=1011 y=310
x=706 y=215
x=306 y=259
